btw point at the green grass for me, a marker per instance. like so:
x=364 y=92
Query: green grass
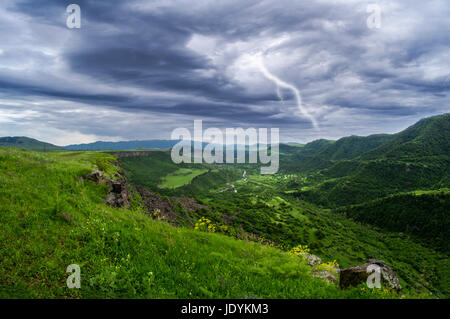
x=51 y=217
x=266 y=210
x=180 y=177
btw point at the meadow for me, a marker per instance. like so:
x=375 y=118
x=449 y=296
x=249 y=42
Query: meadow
x=180 y=177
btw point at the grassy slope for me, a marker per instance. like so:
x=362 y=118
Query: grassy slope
x=51 y=218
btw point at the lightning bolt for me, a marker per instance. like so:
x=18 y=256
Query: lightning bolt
x=282 y=84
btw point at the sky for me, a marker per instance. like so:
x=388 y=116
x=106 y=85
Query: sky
x=136 y=70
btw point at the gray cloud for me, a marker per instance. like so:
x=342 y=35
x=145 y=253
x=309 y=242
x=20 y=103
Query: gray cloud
x=138 y=69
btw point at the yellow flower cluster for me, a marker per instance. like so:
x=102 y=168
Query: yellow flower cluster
x=329 y=266
x=155 y=212
x=299 y=250
x=205 y=224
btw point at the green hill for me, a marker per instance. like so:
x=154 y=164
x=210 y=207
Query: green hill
x=52 y=217
x=353 y=146
x=416 y=158
x=26 y=143
x=425 y=140
x=321 y=154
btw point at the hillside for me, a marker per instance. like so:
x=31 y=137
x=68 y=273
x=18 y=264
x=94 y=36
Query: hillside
x=417 y=158
x=428 y=138
x=26 y=143
x=264 y=208
x=321 y=154
x=51 y=216
x=420 y=214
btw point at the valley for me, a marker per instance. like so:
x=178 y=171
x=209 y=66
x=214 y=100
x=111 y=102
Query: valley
x=225 y=230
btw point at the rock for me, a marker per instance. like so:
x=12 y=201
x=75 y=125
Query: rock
x=326 y=276
x=313 y=260
x=355 y=275
x=118 y=193
x=95 y=176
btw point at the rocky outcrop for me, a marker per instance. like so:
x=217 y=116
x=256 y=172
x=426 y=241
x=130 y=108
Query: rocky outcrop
x=96 y=176
x=118 y=195
x=355 y=275
x=158 y=207
x=163 y=208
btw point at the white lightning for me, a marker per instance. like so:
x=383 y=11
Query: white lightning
x=282 y=84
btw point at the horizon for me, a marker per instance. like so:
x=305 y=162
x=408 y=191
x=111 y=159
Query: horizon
x=138 y=70
x=192 y=140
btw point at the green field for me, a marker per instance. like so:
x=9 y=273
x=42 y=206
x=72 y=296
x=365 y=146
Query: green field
x=180 y=177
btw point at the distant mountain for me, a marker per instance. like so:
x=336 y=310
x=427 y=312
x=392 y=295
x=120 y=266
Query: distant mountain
x=27 y=143
x=123 y=145
x=134 y=145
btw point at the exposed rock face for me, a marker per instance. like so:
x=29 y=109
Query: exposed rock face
x=117 y=189
x=157 y=206
x=96 y=176
x=355 y=275
x=164 y=208
x=118 y=193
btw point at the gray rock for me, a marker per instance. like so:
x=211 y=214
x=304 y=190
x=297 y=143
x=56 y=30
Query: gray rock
x=118 y=195
x=95 y=176
x=313 y=260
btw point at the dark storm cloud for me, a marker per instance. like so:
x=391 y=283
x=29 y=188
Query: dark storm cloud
x=180 y=60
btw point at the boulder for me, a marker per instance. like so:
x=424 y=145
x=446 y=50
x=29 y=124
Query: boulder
x=355 y=275
x=313 y=260
x=118 y=193
x=95 y=176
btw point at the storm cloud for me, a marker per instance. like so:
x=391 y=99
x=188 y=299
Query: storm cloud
x=138 y=69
